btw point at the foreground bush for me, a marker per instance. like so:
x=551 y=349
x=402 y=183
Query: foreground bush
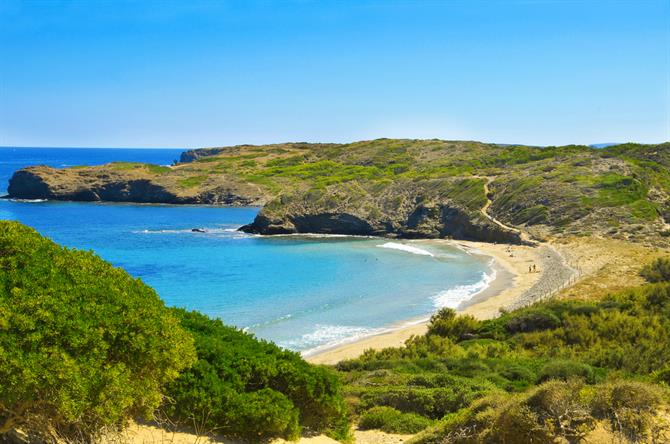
x=561 y=369
x=390 y=420
x=83 y=345
x=251 y=389
x=446 y=323
x=557 y=410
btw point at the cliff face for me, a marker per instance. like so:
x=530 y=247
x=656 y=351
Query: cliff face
x=404 y=209
x=398 y=188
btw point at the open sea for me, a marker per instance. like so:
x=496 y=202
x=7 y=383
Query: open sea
x=302 y=292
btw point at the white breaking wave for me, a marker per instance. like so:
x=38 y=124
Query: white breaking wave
x=28 y=200
x=327 y=336
x=453 y=297
x=197 y=230
x=406 y=248
x=319 y=235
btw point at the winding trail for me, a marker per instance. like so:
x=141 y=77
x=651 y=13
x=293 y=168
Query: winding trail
x=557 y=273
x=484 y=210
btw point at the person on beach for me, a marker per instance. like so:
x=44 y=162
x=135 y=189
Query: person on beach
x=534 y=268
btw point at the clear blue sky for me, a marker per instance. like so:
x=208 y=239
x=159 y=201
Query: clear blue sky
x=205 y=73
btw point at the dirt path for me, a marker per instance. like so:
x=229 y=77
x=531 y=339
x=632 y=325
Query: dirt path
x=484 y=210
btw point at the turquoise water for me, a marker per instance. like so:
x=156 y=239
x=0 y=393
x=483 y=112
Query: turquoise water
x=301 y=292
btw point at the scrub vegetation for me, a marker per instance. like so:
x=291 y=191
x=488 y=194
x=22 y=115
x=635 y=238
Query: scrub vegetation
x=555 y=369
x=84 y=347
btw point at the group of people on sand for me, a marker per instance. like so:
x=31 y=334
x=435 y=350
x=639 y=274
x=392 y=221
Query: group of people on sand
x=531 y=268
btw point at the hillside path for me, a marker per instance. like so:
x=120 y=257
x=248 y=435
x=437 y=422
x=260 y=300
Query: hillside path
x=484 y=210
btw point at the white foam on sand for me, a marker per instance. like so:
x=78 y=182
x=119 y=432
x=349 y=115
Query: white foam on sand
x=453 y=297
x=406 y=248
x=327 y=336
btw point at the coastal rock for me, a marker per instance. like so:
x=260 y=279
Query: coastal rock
x=401 y=210
x=108 y=184
x=193 y=155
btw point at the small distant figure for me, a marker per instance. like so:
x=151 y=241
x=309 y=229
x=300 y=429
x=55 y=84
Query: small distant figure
x=530 y=269
x=198 y=230
x=534 y=270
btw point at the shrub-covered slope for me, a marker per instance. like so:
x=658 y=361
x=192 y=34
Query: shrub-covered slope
x=251 y=389
x=84 y=347
x=555 y=369
x=409 y=188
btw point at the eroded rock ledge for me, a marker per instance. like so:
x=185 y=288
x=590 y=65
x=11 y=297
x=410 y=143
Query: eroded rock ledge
x=108 y=185
x=449 y=223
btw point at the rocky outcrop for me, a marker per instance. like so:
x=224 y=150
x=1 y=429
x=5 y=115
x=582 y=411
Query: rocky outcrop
x=193 y=155
x=109 y=185
x=448 y=222
x=402 y=210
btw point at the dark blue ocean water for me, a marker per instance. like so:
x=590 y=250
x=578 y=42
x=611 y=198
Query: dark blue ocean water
x=301 y=292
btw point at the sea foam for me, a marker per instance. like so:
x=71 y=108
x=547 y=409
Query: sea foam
x=406 y=248
x=453 y=297
x=327 y=336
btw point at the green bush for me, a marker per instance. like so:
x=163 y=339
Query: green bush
x=432 y=403
x=251 y=389
x=561 y=409
x=534 y=319
x=390 y=420
x=657 y=271
x=564 y=370
x=83 y=345
x=447 y=324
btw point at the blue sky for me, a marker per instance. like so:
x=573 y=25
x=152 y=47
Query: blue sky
x=207 y=73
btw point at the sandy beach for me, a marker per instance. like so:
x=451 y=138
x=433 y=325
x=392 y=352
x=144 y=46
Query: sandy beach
x=512 y=281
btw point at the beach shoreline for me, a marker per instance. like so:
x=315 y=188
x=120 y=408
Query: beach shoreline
x=512 y=280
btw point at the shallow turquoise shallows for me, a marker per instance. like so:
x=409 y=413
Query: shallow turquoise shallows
x=301 y=292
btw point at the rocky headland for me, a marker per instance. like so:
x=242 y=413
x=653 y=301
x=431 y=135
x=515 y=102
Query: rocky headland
x=397 y=188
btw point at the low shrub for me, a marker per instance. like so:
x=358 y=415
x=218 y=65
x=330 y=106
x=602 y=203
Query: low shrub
x=249 y=389
x=630 y=407
x=532 y=320
x=564 y=370
x=446 y=323
x=390 y=420
x=432 y=403
x=657 y=271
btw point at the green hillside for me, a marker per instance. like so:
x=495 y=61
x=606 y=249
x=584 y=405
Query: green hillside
x=406 y=188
